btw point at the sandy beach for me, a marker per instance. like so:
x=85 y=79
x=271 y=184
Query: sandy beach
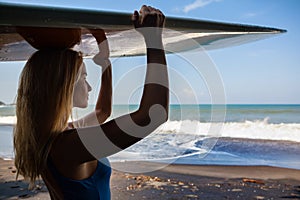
x=177 y=182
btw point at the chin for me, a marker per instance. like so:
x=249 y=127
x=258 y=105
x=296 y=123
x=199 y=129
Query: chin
x=84 y=106
x=81 y=106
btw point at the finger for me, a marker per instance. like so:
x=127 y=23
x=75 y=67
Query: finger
x=162 y=20
x=135 y=19
x=150 y=20
x=144 y=13
x=161 y=17
x=145 y=8
x=151 y=9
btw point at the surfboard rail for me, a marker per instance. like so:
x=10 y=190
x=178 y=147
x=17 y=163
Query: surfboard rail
x=208 y=34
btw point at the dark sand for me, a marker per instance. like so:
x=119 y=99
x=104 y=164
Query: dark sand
x=178 y=182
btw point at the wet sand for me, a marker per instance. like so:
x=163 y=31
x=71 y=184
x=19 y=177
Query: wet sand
x=177 y=182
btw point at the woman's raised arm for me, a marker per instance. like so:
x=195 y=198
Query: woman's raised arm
x=120 y=133
x=103 y=106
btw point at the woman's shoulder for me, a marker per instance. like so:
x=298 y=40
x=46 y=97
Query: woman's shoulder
x=67 y=146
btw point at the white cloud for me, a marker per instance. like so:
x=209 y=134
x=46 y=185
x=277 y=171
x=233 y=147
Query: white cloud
x=253 y=14
x=249 y=15
x=198 y=4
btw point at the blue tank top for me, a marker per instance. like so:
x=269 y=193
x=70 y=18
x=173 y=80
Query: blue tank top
x=94 y=187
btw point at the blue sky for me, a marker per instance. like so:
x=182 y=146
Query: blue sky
x=266 y=71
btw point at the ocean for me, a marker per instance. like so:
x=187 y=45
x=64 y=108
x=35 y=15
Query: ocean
x=204 y=134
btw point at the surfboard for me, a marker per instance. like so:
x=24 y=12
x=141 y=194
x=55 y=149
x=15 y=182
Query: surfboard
x=180 y=34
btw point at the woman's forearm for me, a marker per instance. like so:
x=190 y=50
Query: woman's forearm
x=156 y=83
x=104 y=102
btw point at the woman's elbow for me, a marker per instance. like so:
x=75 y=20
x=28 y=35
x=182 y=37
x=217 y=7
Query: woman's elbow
x=161 y=112
x=166 y=115
x=156 y=115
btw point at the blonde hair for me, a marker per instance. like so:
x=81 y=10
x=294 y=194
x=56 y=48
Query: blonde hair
x=44 y=104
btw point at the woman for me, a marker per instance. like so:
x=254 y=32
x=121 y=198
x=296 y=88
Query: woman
x=46 y=145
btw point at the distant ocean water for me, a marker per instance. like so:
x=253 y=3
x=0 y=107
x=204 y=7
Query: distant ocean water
x=249 y=135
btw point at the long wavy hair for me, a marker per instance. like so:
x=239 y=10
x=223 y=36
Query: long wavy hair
x=43 y=107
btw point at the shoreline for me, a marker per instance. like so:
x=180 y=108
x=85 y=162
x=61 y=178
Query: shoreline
x=209 y=170
x=176 y=181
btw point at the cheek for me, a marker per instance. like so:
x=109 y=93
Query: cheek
x=80 y=95
x=80 y=89
x=76 y=92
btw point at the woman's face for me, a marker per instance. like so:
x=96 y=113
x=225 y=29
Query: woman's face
x=81 y=90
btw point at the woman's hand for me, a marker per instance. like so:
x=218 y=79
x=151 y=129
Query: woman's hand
x=102 y=57
x=149 y=17
x=149 y=22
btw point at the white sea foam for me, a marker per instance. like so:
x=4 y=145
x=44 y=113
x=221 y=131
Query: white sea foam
x=189 y=141
x=248 y=129
x=9 y=120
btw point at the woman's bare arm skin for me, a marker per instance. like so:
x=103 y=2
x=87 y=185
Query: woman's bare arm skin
x=103 y=106
x=100 y=141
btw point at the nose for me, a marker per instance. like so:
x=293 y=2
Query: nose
x=89 y=87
